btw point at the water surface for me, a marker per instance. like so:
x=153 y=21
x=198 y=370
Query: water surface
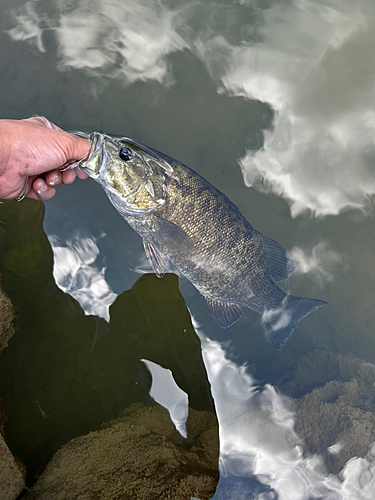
x=273 y=104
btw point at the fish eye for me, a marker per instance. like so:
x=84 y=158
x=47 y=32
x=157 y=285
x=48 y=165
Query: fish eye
x=125 y=154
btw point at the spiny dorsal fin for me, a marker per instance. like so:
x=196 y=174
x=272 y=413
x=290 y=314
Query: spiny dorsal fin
x=222 y=313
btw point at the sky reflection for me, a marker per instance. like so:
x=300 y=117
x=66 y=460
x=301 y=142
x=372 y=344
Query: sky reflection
x=320 y=261
x=259 y=445
x=314 y=68
x=165 y=391
x=78 y=272
x=311 y=61
x=28 y=26
x=129 y=41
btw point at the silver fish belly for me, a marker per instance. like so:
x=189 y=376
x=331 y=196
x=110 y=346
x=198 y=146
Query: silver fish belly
x=186 y=221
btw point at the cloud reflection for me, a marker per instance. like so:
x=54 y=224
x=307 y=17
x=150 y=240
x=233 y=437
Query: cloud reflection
x=28 y=26
x=78 y=272
x=315 y=67
x=165 y=391
x=313 y=61
x=259 y=446
x=129 y=41
x=320 y=262
x=132 y=39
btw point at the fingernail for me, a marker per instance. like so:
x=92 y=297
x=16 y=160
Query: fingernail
x=54 y=181
x=43 y=188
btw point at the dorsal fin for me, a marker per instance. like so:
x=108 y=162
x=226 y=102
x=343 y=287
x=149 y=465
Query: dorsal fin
x=281 y=265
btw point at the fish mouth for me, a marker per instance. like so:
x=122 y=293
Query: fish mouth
x=96 y=157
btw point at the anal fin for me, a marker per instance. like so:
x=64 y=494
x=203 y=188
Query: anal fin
x=158 y=261
x=223 y=313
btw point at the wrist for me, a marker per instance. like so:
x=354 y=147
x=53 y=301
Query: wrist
x=5 y=145
x=12 y=181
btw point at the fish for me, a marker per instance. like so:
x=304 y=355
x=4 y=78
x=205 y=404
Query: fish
x=185 y=221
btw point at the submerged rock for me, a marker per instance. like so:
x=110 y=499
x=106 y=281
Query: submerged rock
x=12 y=474
x=7 y=315
x=335 y=405
x=140 y=455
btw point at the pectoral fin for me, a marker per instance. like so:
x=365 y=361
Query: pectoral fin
x=222 y=313
x=158 y=261
x=172 y=236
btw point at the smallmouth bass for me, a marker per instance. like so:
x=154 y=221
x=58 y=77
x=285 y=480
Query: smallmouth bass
x=186 y=221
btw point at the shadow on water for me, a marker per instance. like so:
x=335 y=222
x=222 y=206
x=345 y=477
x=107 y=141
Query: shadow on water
x=56 y=380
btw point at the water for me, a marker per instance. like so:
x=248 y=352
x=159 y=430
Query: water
x=273 y=104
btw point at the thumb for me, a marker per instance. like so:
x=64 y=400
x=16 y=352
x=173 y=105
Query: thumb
x=78 y=148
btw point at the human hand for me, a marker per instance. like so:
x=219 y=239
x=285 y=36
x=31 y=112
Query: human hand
x=37 y=149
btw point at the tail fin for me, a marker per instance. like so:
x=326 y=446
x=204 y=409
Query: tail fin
x=282 y=321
